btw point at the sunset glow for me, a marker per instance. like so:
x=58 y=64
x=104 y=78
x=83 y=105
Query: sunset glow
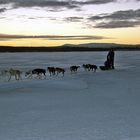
x=54 y=23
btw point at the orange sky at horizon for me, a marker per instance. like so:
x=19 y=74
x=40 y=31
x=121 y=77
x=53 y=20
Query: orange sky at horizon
x=131 y=37
x=104 y=22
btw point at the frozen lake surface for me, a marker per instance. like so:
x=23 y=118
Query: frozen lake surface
x=85 y=106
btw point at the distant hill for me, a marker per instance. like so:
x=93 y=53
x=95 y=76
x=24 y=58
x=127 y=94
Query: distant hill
x=72 y=47
x=102 y=45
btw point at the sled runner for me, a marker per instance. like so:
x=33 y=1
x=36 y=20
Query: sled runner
x=105 y=68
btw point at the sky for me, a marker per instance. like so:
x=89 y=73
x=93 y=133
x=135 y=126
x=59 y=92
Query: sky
x=58 y=22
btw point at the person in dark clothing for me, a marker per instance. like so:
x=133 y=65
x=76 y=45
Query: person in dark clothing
x=110 y=58
x=107 y=64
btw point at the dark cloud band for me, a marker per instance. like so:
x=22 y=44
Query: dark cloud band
x=2 y=10
x=117 y=24
x=119 y=19
x=93 y=2
x=119 y=15
x=49 y=37
x=53 y=3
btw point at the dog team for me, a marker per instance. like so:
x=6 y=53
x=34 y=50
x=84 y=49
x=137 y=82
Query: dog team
x=39 y=72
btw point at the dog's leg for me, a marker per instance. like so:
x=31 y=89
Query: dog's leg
x=63 y=74
x=19 y=76
x=50 y=73
x=9 y=78
x=57 y=73
x=44 y=75
x=16 y=76
x=40 y=75
x=30 y=76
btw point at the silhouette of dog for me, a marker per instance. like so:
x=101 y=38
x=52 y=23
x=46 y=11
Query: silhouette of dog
x=86 y=67
x=89 y=67
x=39 y=72
x=74 y=68
x=59 y=70
x=51 y=70
x=15 y=73
x=93 y=67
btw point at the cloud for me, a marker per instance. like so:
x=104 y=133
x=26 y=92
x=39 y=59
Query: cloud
x=43 y=3
x=93 y=2
x=2 y=10
x=73 y=19
x=117 y=24
x=119 y=19
x=69 y=4
x=119 y=15
x=39 y=3
x=7 y=37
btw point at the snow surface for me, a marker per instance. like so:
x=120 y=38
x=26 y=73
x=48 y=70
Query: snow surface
x=85 y=106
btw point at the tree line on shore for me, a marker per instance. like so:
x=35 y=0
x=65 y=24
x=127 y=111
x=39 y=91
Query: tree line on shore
x=65 y=49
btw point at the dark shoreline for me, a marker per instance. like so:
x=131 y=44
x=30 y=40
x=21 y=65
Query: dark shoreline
x=63 y=49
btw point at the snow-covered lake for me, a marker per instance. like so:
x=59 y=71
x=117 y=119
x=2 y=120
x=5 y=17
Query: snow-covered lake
x=85 y=106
